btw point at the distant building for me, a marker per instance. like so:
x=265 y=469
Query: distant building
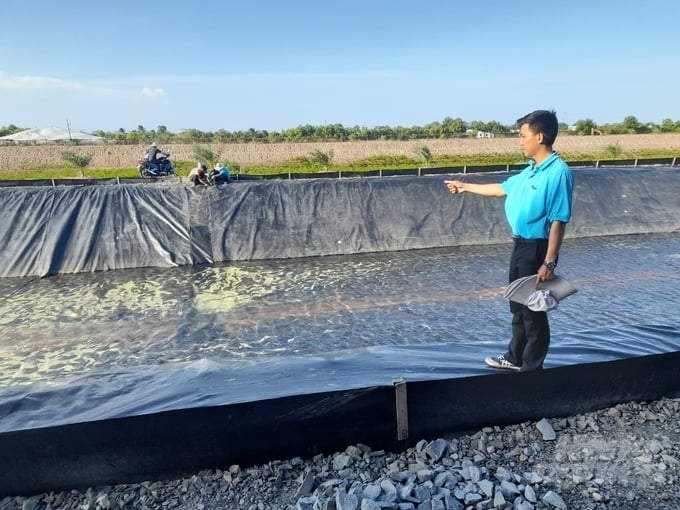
x=51 y=135
x=485 y=134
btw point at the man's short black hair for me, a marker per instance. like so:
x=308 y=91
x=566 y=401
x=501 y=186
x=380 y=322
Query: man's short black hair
x=542 y=121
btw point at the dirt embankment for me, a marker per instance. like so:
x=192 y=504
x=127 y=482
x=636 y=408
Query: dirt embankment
x=14 y=157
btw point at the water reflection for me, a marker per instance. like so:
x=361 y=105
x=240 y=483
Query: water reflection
x=70 y=324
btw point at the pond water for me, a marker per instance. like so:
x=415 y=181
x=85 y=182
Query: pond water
x=71 y=325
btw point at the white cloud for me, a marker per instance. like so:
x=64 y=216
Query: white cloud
x=28 y=84
x=150 y=92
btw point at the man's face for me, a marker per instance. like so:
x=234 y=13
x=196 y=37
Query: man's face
x=529 y=142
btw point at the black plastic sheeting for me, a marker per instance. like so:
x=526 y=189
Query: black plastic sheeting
x=112 y=344
x=155 y=421
x=49 y=231
x=175 y=443
x=205 y=383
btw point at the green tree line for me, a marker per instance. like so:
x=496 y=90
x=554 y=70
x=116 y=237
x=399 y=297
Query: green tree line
x=447 y=128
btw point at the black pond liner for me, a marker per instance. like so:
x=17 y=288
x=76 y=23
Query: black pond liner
x=166 y=421
x=169 y=444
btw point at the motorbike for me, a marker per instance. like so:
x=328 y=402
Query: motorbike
x=160 y=168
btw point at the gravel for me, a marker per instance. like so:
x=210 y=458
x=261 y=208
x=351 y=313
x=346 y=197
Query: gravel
x=623 y=457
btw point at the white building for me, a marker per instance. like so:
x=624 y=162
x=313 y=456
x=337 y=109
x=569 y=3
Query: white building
x=485 y=134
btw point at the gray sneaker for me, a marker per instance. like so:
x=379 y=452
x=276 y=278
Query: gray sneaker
x=501 y=362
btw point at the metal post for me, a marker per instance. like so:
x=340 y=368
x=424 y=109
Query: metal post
x=401 y=408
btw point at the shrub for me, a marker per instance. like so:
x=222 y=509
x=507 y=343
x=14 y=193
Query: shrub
x=205 y=155
x=613 y=150
x=78 y=160
x=424 y=154
x=320 y=158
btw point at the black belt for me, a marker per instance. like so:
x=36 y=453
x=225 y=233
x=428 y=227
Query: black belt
x=524 y=240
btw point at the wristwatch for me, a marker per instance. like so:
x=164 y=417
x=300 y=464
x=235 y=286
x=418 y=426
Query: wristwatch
x=550 y=265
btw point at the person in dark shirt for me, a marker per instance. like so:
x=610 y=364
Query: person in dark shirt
x=152 y=154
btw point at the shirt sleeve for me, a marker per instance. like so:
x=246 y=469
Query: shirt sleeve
x=560 y=196
x=509 y=183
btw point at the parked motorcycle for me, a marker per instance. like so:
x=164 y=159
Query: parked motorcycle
x=160 y=168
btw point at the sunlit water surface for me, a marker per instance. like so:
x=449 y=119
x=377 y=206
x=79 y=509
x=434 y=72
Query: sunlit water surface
x=70 y=324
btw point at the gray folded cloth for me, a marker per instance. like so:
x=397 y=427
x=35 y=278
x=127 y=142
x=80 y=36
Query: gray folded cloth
x=543 y=298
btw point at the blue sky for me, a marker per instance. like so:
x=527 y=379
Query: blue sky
x=274 y=65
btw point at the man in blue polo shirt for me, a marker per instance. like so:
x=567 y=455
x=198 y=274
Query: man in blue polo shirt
x=538 y=208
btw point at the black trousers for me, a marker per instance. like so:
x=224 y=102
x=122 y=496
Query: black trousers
x=530 y=330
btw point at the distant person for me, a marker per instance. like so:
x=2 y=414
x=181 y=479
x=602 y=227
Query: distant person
x=537 y=207
x=221 y=174
x=199 y=175
x=152 y=153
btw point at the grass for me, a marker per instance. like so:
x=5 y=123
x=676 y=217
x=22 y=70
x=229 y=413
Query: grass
x=71 y=172
x=305 y=165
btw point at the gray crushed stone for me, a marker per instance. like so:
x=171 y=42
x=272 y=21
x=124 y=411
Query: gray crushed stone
x=623 y=457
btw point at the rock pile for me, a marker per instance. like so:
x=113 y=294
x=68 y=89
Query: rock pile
x=624 y=457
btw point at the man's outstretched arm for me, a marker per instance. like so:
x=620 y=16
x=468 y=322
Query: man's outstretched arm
x=488 y=190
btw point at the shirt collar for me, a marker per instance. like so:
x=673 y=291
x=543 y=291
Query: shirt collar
x=547 y=162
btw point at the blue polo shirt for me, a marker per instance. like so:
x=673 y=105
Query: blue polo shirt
x=537 y=196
